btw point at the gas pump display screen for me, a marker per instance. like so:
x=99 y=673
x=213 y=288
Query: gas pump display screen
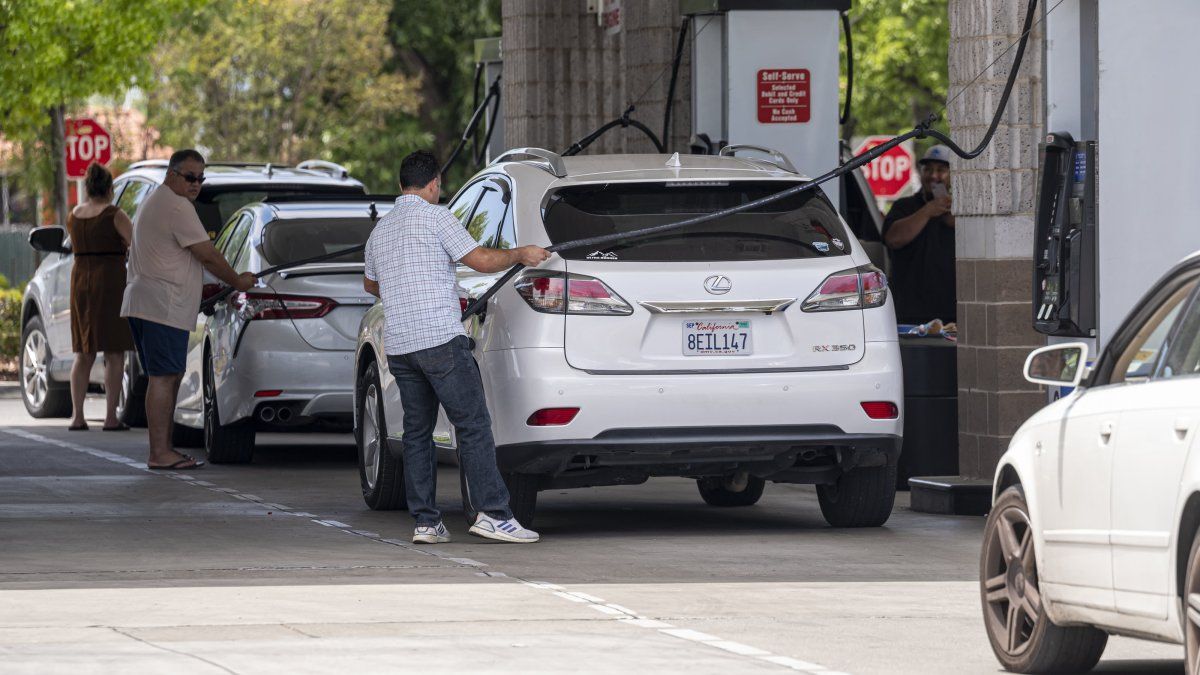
x=800 y=226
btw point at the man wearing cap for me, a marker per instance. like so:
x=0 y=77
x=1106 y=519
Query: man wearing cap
x=919 y=231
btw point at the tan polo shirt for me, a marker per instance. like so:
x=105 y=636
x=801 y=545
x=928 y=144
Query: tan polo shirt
x=165 y=279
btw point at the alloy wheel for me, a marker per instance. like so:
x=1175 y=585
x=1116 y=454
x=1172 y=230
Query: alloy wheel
x=210 y=406
x=36 y=379
x=1192 y=611
x=1013 y=600
x=370 y=436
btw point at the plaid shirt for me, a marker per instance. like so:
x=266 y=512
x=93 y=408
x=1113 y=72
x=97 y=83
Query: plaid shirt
x=412 y=254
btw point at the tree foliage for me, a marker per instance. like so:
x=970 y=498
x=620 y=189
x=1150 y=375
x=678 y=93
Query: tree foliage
x=900 y=57
x=282 y=81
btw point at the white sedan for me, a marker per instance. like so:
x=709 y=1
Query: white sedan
x=1096 y=507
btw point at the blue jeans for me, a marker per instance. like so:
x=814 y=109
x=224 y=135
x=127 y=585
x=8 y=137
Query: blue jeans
x=447 y=374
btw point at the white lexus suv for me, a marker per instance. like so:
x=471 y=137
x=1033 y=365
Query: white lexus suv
x=761 y=347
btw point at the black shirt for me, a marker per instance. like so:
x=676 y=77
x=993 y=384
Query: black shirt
x=922 y=279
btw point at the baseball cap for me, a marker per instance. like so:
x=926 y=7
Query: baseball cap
x=937 y=153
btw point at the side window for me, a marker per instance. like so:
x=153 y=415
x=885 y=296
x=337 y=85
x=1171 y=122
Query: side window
x=489 y=216
x=1183 y=352
x=133 y=195
x=237 y=239
x=1140 y=360
x=508 y=231
x=464 y=204
x=222 y=241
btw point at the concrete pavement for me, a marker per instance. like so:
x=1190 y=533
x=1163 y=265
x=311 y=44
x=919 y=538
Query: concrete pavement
x=278 y=566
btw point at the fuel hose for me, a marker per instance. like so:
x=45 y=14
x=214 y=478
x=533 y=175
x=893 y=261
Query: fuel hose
x=922 y=130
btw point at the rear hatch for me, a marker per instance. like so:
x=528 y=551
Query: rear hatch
x=325 y=301
x=724 y=296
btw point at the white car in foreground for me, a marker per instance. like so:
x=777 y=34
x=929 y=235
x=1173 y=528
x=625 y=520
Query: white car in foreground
x=761 y=347
x=1097 y=500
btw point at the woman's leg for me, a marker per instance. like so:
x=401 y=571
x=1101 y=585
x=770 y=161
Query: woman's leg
x=114 y=367
x=80 y=372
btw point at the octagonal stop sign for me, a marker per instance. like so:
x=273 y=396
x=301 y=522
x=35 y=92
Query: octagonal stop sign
x=86 y=142
x=891 y=171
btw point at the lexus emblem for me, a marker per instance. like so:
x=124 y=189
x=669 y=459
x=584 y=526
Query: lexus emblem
x=718 y=284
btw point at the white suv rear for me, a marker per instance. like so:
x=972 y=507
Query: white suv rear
x=758 y=348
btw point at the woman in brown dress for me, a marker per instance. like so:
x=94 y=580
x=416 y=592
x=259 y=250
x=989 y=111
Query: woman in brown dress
x=100 y=233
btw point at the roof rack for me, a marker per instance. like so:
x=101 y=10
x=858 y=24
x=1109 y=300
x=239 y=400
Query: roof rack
x=326 y=197
x=334 y=170
x=777 y=158
x=553 y=160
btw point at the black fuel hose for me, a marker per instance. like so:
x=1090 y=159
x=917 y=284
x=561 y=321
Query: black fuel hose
x=469 y=130
x=666 y=128
x=623 y=121
x=849 y=69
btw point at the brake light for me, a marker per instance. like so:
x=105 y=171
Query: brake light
x=857 y=288
x=881 y=410
x=552 y=417
x=559 y=293
x=267 y=393
x=266 y=306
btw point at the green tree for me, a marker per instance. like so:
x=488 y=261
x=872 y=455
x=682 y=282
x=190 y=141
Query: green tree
x=56 y=53
x=900 y=57
x=283 y=82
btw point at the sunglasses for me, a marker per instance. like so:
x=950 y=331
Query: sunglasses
x=189 y=177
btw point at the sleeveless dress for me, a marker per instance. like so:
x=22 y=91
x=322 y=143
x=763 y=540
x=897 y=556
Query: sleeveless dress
x=97 y=284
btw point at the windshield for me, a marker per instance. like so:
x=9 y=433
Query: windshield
x=286 y=241
x=215 y=207
x=798 y=226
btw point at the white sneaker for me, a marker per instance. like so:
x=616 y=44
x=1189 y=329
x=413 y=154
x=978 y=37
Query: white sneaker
x=502 y=530
x=431 y=534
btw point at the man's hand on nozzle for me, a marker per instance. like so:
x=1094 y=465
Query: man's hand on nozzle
x=937 y=206
x=531 y=256
x=245 y=281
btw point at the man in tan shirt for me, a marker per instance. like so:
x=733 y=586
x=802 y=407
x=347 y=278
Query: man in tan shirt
x=162 y=296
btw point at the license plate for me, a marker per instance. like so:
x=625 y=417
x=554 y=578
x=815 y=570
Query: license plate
x=716 y=338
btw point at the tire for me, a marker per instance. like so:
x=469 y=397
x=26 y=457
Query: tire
x=1022 y=636
x=1191 y=608
x=186 y=437
x=224 y=443
x=42 y=396
x=380 y=473
x=522 y=496
x=131 y=404
x=718 y=491
x=861 y=497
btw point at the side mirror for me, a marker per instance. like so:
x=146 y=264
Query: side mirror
x=1057 y=365
x=48 y=239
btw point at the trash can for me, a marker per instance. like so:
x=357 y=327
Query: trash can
x=930 y=408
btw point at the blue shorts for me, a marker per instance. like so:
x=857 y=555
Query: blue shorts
x=161 y=349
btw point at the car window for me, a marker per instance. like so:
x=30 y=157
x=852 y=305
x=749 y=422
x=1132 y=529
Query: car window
x=802 y=225
x=296 y=239
x=488 y=217
x=222 y=241
x=1139 y=360
x=216 y=206
x=463 y=205
x=1183 y=350
x=237 y=238
x=132 y=196
x=508 y=231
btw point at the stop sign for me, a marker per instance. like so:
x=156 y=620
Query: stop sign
x=891 y=171
x=87 y=142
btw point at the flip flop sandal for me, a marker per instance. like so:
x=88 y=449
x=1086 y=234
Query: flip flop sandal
x=178 y=466
x=120 y=427
x=80 y=427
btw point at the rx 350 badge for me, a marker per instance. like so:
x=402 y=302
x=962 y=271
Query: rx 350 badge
x=834 y=348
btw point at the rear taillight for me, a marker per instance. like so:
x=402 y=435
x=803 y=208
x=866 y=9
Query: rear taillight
x=558 y=293
x=881 y=410
x=552 y=417
x=858 y=288
x=264 y=306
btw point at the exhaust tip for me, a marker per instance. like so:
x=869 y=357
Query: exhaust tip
x=284 y=414
x=266 y=414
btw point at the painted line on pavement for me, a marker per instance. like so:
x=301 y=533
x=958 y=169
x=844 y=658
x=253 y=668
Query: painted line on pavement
x=620 y=614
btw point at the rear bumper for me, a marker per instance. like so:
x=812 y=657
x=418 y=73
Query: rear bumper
x=799 y=454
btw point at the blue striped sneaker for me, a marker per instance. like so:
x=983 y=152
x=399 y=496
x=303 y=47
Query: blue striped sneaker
x=502 y=530
x=431 y=534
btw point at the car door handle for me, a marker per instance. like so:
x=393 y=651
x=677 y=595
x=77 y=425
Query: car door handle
x=1182 y=425
x=1106 y=432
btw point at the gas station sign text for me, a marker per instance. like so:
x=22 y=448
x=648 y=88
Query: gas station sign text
x=783 y=95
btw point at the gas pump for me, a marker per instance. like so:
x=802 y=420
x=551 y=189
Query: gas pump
x=1064 y=256
x=767 y=76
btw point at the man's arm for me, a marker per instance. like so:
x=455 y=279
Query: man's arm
x=214 y=262
x=904 y=230
x=488 y=260
x=371 y=286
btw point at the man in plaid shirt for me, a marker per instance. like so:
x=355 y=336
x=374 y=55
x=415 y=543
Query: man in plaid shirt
x=410 y=265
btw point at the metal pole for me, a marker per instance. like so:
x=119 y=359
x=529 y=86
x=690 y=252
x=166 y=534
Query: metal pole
x=4 y=198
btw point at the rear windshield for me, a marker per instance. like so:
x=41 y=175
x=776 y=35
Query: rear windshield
x=798 y=226
x=215 y=207
x=286 y=241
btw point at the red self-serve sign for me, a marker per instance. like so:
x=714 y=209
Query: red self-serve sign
x=783 y=95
